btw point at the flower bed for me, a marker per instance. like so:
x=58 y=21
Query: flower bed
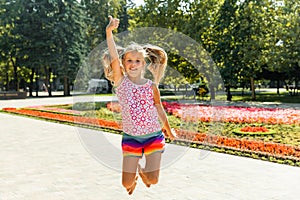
x=271 y=149
x=224 y=143
x=66 y=118
x=238 y=116
x=232 y=114
x=55 y=109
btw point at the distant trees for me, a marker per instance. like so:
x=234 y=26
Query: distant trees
x=46 y=40
x=69 y=40
x=249 y=40
x=49 y=40
x=244 y=38
x=33 y=23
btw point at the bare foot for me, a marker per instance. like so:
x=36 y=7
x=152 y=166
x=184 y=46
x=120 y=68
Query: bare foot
x=131 y=189
x=142 y=175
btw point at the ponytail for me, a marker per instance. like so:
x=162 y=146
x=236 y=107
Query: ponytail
x=158 y=61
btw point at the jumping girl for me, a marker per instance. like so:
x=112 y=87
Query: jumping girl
x=140 y=104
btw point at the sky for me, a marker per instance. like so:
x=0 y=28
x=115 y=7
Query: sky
x=138 y=2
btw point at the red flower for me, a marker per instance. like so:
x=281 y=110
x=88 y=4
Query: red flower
x=8 y=109
x=68 y=118
x=254 y=129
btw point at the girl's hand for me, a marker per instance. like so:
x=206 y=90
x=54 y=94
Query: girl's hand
x=171 y=134
x=113 y=24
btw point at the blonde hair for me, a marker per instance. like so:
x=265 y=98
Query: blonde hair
x=134 y=47
x=108 y=71
x=157 y=56
x=158 y=61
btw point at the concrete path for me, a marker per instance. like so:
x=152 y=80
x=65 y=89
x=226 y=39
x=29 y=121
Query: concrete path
x=44 y=160
x=52 y=100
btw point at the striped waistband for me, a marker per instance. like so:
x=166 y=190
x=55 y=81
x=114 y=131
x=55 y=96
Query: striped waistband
x=128 y=136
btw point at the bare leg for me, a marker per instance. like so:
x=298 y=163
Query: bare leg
x=150 y=174
x=143 y=176
x=129 y=173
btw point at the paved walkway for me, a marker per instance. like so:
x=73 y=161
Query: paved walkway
x=44 y=160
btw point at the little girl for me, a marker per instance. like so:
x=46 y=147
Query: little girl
x=141 y=106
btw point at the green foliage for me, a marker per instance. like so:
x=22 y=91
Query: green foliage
x=247 y=39
x=167 y=15
x=82 y=106
x=70 y=41
x=8 y=70
x=96 y=13
x=241 y=36
x=48 y=38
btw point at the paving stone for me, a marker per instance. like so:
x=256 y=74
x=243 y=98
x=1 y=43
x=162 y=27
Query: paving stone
x=45 y=160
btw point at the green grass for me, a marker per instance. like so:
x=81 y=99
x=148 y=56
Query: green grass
x=263 y=95
x=283 y=97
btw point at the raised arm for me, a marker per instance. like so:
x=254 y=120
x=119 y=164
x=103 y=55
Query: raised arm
x=114 y=56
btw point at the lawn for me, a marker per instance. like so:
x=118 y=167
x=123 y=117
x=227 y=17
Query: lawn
x=239 y=95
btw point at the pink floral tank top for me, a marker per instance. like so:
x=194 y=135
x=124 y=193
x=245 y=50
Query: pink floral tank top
x=139 y=115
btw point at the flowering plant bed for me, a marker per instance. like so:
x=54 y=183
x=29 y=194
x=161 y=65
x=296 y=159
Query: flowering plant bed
x=233 y=114
x=254 y=130
x=273 y=151
x=256 y=140
x=66 y=118
x=55 y=109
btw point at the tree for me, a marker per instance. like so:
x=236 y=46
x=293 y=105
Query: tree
x=33 y=31
x=200 y=25
x=69 y=37
x=225 y=50
x=254 y=37
x=8 y=45
x=288 y=48
x=173 y=16
x=97 y=12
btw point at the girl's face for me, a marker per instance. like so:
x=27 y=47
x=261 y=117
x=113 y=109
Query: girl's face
x=134 y=64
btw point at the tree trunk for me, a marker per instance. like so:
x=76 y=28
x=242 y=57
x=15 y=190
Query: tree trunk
x=16 y=82
x=229 y=96
x=7 y=77
x=278 y=82
x=253 y=96
x=66 y=86
x=48 y=83
x=36 y=83
x=31 y=82
x=243 y=92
